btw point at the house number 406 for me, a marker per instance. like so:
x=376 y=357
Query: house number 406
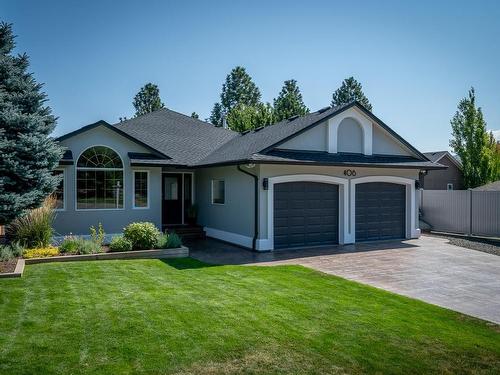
x=349 y=172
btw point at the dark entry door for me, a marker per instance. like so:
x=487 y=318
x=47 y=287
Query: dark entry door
x=305 y=214
x=172 y=198
x=380 y=211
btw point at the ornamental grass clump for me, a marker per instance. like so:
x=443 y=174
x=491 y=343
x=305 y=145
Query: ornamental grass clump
x=142 y=235
x=34 y=228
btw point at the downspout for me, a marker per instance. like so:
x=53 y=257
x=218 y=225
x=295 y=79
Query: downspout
x=256 y=208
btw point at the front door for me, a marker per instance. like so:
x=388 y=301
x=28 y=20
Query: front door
x=172 y=198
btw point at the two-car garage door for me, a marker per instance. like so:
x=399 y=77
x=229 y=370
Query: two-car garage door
x=307 y=213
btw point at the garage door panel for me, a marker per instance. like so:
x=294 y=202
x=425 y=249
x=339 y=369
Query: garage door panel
x=305 y=214
x=380 y=211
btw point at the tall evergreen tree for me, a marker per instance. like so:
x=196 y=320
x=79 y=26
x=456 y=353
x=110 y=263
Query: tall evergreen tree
x=216 y=115
x=28 y=155
x=147 y=100
x=350 y=90
x=289 y=102
x=238 y=88
x=471 y=142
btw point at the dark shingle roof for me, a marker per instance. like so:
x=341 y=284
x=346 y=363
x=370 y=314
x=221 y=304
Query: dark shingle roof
x=325 y=158
x=175 y=139
x=244 y=146
x=259 y=142
x=436 y=156
x=492 y=186
x=184 y=139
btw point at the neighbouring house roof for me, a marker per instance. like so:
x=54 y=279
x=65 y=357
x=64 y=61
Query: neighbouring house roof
x=178 y=140
x=492 y=186
x=436 y=156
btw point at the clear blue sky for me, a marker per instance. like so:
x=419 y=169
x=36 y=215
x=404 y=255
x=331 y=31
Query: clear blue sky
x=415 y=60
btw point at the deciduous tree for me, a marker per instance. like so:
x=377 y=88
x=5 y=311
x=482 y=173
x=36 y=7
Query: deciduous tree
x=471 y=142
x=147 y=100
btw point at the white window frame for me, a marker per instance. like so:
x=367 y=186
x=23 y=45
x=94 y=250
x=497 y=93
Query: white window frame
x=76 y=169
x=449 y=186
x=212 y=184
x=133 y=189
x=64 y=189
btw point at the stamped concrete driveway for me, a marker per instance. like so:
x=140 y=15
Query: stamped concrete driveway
x=429 y=269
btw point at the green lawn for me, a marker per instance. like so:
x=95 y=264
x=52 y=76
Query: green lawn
x=180 y=316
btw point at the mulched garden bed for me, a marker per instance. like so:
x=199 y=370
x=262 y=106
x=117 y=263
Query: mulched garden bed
x=8 y=266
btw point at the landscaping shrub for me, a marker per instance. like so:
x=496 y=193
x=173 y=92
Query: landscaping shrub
x=173 y=241
x=88 y=247
x=42 y=252
x=34 y=228
x=70 y=245
x=97 y=235
x=5 y=253
x=79 y=245
x=8 y=252
x=143 y=235
x=162 y=241
x=120 y=243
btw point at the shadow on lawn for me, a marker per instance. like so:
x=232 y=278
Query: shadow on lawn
x=186 y=263
x=216 y=252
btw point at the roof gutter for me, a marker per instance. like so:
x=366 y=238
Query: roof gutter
x=256 y=206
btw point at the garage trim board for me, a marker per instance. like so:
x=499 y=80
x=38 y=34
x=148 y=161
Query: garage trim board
x=343 y=185
x=410 y=224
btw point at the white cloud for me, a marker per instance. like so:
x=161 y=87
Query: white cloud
x=496 y=134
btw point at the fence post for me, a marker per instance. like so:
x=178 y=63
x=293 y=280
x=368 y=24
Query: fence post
x=470 y=212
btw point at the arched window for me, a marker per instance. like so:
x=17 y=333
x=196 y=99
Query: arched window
x=99 y=179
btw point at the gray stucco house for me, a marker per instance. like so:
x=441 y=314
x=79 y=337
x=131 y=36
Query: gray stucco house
x=451 y=178
x=338 y=175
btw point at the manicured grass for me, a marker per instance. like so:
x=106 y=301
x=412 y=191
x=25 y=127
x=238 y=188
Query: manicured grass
x=180 y=316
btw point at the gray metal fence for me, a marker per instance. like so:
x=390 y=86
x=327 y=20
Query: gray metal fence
x=462 y=211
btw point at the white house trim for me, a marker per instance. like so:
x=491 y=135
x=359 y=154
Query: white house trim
x=238 y=239
x=76 y=169
x=268 y=243
x=411 y=226
x=363 y=121
x=134 y=171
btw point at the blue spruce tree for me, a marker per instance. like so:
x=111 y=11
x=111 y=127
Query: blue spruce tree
x=28 y=154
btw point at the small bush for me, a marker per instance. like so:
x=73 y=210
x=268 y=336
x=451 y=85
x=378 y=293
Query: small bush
x=6 y=253
x=79 y=245
x=34 y=228
x=97 y=235
x=43 y=252
x=88 y=247
x=17 y=249
x=70 y=245
x=143 y=236
x=120 y=243
x=173 y=241
x=162 y=241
